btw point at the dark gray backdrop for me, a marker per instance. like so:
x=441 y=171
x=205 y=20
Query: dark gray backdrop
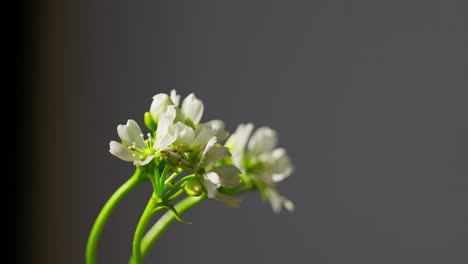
x=368 y=97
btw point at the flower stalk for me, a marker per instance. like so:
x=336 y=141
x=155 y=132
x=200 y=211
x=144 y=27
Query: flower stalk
x=101 y=220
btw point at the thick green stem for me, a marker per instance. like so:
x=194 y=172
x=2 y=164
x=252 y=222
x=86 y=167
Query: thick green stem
x=166 y=220
x=96 y=231
x=151 y=208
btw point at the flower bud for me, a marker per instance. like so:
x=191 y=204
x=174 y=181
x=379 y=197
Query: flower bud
x=193 y=187
x=149 y=122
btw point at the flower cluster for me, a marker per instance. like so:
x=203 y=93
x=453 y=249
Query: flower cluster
x=180 y=145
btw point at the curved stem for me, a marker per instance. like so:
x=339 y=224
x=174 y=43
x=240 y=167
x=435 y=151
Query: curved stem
x=185 y=204
x=166 y=220
x=99 y=223
x=152 y=207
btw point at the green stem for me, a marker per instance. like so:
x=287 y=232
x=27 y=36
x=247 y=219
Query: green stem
x=185 y=204
x=171 y=178
x=96 y=231
x=166 y=220
x=152 y=207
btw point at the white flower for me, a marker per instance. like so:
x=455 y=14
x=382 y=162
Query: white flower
x=217 y=176
x=192 y=107
x=261 y=162
x=197 y=139
x=135 y=148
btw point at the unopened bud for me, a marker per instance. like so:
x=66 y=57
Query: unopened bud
x=193 y=187
x=149 y=122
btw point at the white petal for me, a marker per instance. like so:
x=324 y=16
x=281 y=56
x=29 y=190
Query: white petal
x=275 y=199
x=211 y=187
x=145 y=161
x=237 y=141
x=131 y=133
x=202 y=135
x=213 y=155
x=166 y=120
x=211 y=143
x=281 y=166
x=278 y=201
x=213 y=177
x=120 y=151
x=218 y=129
x=159 y=105
x=185 y=134
x=288 y=205
x=175 y=98
x=163 y=137
x=228 y=175
x=164 y=142
x=263 y=140
x=192 y=108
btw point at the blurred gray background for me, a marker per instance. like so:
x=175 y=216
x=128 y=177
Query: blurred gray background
x=369 y=98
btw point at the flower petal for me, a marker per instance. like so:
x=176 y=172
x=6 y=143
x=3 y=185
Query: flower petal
x=228 y=175
x=210 y=186
x=217 y=127
x=163 y=137
x=159 y=105
x=237 y=141
x=192 y=107
x=213 y=155
x=211 y=183
x=120 y=151
x=211 y=143
x=175 y=98
x=213 y=177
x=202 y=135
x=145 y=161
x=165 y=141
x=185 y=134
x=263 y=140
x=131 y=133
x=278 y=201
x=288 y=204
x=281 y=166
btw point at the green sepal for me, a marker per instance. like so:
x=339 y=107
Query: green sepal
x=176 y=214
